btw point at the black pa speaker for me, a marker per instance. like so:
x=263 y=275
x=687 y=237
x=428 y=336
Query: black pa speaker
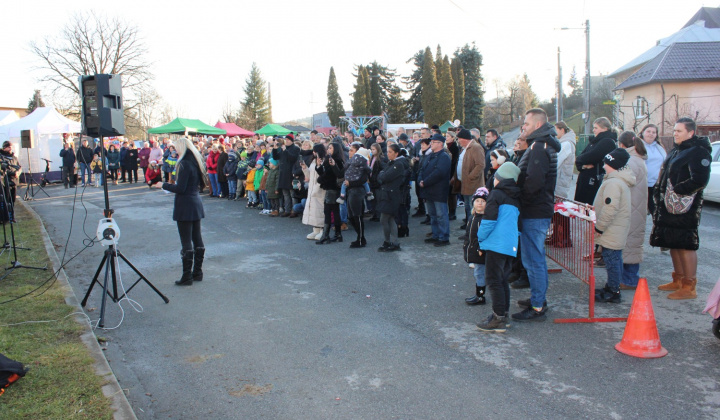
x=102 y=109
x=27 y=139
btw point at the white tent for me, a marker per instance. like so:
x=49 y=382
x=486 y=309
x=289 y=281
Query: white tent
x=6 y=117
x=48 y=126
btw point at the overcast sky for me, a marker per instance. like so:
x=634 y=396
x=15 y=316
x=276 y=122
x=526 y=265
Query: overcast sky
x=202 y=51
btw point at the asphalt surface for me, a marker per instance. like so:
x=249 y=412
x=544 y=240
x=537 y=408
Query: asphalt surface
x=282 y=328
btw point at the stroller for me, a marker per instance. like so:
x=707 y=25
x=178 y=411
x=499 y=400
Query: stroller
x=713 y=308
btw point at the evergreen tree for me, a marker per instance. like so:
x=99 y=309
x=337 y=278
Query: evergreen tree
x=459 y=83
x=438 y=62
x=269 y=114
x=376 y=101
x=397 y=107
x=368 y=90
x=255 y=106
x=335 y=107
x=35 y=102
x=413 y=85
x=575 y=85
x=359 y=101
x=531 y=99
x=471 y=61
x=429 y=94
x=446 y=91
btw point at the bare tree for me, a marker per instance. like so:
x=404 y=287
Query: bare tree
x=92 y=43
x=229 y=115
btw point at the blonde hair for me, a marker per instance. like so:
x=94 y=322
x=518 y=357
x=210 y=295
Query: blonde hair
x=183 y=145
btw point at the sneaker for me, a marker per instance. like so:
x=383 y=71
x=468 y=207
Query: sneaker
x=441 y=243
x=340 y=200
x=494 y=323
x=525 y=303
x=431 y=240
x=522 y=283
x=370 y=196
x=460 y=203
x=600 y=263
x=607 y=295
x=530 y=314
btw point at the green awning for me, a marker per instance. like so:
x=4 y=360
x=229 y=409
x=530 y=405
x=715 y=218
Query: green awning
x=444 y=127
x=185 y=125
x=273 y=130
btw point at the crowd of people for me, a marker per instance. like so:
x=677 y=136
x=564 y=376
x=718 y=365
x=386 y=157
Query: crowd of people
x=507 y=195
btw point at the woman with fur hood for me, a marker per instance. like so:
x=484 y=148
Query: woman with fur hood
x=565 y=159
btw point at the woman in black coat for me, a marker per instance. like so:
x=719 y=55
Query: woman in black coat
x=330 y=169
x=188 y=210
x=131 y=162
x=354 y=181
x=378 y=161
x=687 y=169
x=222 y=179
x=590 y=162
x=389 y=196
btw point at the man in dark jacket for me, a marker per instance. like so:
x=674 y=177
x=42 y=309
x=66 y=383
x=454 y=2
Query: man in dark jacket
x=538 y=173
x=286 y=156
x=434 y=180
x=493 y=141
x=84 y=156
x=68 y=164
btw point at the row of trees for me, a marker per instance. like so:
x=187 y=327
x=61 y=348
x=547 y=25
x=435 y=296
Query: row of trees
x=440 y=88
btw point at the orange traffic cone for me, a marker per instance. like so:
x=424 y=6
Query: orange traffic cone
x=641 y=338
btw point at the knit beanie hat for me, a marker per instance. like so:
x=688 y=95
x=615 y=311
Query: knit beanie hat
x=403 y=137
x=273 y=161
x=243 y=154
x=508 y=170
x=481 y=192
x=464 y=134
x=364 y=153
x=261 y=162
x=617 y=159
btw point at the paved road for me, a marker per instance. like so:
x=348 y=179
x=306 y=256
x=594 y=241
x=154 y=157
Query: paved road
x=282 y=328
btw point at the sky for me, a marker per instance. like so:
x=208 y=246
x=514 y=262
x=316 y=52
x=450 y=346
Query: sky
x=202 y=52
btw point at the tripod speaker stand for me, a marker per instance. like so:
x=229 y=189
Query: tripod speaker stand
x=27 y=141
x=108 y=233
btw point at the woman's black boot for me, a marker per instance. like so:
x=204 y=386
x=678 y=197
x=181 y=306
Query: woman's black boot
x=197 y=274
x=187 y=257
x=338 y=235
x=326 y=236
x=479 y=298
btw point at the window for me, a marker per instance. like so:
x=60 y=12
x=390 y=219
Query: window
x=640 y=107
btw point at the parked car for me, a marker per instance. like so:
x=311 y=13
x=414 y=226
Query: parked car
x=712 y=191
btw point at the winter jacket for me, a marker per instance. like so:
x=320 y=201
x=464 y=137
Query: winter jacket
x=471 y=244
x=132 y=160
x=271 y=186
x=156 y=154
x=250 y=180
x=613 y=206
x=473 y=169
x=263 y=180
x=68 y=158
x=377 y=166
x=538 y=174
x=687 y=167
x=498 y=231
x=84 y=155
x=391 y=179
x=313 y=213
x=188 y=205
x=113 y=159
x=144 y=155
x=259 y=173
x=286 y=159
x=243 y=167
x=231 y=167
x=633 y=251
x=497 y=144
x=221 y=161
x=212 y=162
x=589 y=179
x=96 y=166
x=357 y=170
x=435 y=176
x=152 y=174
x=565 y=165
x=329 y=174
x=171 y=163
x=123 y=156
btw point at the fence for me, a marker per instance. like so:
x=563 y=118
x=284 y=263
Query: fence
x=571 y=244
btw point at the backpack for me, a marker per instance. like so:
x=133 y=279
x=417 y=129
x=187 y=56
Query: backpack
x=10 y=372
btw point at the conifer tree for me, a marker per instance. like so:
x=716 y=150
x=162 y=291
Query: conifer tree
x=376 y=100
x=446 y=92
x=397 y=107
x=255 y=105
x=459 y=83
x=413 y=85
x=35 y=102
x=359 y=101
x=471 y=60
x=269 y=114
x=429 y=92
x=368 y=90
x=335 y=107
x=438 y=62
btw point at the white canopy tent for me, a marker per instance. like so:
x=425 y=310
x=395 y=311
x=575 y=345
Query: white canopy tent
x=48 y=126
x=7 y=117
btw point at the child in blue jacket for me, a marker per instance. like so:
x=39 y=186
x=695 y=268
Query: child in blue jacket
x=498 y=240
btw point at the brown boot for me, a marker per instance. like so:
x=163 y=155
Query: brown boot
x=687 y=291
x=672 y=286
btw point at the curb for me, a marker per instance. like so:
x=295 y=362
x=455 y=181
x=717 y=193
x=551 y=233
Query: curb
x=120 y=405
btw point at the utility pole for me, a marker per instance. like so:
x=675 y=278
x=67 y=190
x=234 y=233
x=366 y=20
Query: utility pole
x=559 y=111
x=588 y=123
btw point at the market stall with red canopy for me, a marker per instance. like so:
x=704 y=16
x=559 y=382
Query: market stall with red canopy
x=234 y=130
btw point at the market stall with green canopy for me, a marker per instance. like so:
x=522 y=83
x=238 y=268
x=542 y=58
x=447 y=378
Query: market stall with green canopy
x=274 y=130
x=186 y=125
x=444 y=128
